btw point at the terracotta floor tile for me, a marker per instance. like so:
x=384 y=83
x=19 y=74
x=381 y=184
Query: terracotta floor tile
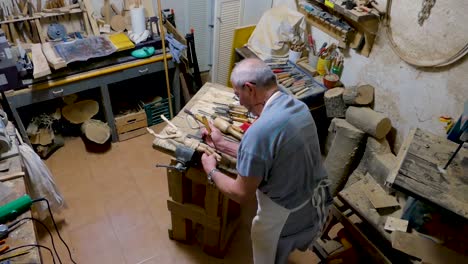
x=118 y=208
x=96 y=241
x=82 y=210
x=128 y=212
x=142 y=242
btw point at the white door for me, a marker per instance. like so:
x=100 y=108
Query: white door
x=226 y=19
x=198 y=17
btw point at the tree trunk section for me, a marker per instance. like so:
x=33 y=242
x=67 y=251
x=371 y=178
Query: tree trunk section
x=359 y=95
x=342 y=154
x=334 y=103
x=369 y=121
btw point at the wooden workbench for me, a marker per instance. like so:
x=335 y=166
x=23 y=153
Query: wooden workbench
x=101 y=78
x=203 y=100
x=25 y=233
x=194 y=200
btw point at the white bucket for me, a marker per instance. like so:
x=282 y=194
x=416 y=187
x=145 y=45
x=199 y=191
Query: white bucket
x=294 y=55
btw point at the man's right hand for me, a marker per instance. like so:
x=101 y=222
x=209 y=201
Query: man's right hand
x=216 y=139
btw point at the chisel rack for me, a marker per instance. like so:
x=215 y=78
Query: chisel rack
x=198 y=207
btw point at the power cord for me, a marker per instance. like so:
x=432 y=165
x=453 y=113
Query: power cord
x=29 y=245
x=56 y=228
x=46 y=228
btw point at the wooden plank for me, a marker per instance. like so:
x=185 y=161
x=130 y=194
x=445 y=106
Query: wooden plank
x=92 y=21
x=130 y=118
x=376 y=255
x=377 y=195
x=211 y=200
x=194 y=213
x=41 y=66
x=181 y=228
x=132 y=134
x=395 y=224
x=137 y=125
x=175 y=182
x=425 y=249
x=420 y=174
x=354 y=196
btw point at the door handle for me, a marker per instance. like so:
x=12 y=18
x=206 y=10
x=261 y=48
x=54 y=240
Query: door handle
x=143 y=71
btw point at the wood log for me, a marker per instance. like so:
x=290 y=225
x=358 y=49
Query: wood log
x=342 y=154
x=96 y=131
x=81 y=111
x=334 y=103
x=366 y=119
x=359 y=95
x=378 y=160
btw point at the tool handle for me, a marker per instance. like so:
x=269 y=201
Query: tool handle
x=234 y=133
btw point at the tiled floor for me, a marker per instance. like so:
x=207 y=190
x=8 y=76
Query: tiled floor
x=117 y=210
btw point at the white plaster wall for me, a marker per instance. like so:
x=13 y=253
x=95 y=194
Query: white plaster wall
x=409 y=96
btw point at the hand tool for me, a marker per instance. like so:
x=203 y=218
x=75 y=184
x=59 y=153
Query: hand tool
x=184 y=157
x=225 y=127
x=230 y=112
x=238 y=108
x=202 y=119
x=297 y=89
x=15 y=208
x=213 y=116
x=5 y=247
x=302 y=91
x=207 y=125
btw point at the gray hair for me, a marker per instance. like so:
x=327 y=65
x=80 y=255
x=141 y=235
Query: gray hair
x=254 y=71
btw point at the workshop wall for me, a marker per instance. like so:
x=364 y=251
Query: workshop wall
x=409 y=96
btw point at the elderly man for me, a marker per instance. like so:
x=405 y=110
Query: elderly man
x=279 y=160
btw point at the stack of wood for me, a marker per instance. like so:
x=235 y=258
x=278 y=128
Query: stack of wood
x=345 y=142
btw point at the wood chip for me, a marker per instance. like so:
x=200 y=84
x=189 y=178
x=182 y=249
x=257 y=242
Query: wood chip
x=395 y=224
x=377 y=195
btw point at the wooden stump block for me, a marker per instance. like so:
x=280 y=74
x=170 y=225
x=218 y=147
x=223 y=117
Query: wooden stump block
x=334 y=103
x=359 y=95
x=369 y=121
x=342 y=153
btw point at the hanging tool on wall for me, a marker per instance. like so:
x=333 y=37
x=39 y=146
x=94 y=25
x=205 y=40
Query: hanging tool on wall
x=192 y=59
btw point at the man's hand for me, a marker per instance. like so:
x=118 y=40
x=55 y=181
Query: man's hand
x=216 y=137
x=209 y=162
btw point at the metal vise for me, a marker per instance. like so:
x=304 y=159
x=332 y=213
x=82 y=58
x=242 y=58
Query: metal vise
x=184 y=156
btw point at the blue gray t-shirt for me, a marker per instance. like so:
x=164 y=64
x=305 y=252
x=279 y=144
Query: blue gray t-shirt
x=282 y=147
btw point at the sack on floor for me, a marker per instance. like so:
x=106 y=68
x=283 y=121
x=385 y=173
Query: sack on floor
x=41 y=182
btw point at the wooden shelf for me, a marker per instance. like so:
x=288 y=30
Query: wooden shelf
x=41 y=15
x=365 y=26
x=351 y=14
x=327 y=27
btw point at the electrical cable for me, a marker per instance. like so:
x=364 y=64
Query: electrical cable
x=47 y=229
x=55 y=225
x=29 y=245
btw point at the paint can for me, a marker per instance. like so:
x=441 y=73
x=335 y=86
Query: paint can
x=322 y=66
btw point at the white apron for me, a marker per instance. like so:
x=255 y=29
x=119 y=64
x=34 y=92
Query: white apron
x=271 y=218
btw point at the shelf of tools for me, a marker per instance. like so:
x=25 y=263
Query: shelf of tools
x=25 y=22
x=352 y=23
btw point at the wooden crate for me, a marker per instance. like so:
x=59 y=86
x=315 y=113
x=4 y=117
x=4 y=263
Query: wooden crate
x=131 y=125
x=196 y=203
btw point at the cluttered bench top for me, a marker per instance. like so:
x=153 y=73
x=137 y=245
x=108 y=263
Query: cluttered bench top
x=13 y=185
x=208 y=98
